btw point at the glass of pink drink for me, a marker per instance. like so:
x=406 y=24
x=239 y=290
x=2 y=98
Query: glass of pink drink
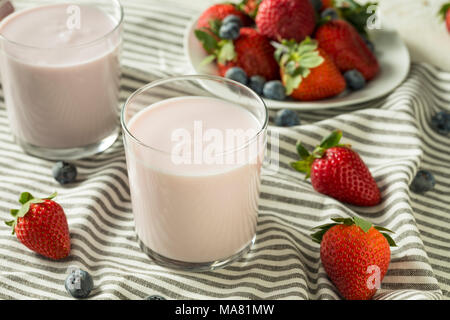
x=60 y=71
x=194 y=163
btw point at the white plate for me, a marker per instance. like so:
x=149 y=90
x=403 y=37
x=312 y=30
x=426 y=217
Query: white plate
x=391 y=53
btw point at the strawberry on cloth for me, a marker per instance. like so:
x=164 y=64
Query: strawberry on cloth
x=41 y=225
x=338 y=171
x=355 y=255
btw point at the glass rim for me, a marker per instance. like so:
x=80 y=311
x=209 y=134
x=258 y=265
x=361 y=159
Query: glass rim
x=158 y=82
x=81 y=45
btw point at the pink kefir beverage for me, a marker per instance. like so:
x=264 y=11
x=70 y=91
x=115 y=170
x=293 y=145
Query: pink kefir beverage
x=195 y=200
x=60 y=74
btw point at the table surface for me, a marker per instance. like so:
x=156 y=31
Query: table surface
x=392 y=134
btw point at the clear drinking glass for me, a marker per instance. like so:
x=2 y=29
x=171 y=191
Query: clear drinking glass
x=195 y=210
x=61 y=80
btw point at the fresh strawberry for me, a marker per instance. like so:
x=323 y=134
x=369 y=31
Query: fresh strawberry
x=338 y=171
x=355 y=255
x=41 y=225
x=255 y=54
x=251 y=51
x=445 y=14
x=307 y=72
x=347 y=48
x=220 y=12
x=286 y=19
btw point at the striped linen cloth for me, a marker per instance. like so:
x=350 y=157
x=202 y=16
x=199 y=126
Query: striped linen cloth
x=392 y=135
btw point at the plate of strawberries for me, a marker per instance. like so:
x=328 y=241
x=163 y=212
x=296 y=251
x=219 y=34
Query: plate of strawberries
x=299 y=54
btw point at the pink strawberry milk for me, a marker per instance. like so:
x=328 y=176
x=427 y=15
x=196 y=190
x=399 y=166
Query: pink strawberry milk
x=60 y=73
x=194 y=191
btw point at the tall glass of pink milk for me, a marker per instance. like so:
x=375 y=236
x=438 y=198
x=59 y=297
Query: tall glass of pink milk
x=60 y=72
x=194 y=147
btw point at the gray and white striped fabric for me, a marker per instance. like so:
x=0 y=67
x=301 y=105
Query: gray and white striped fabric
x=392 y=135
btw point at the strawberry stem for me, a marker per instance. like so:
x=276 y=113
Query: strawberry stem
x=307 y=159
x=26 y=199
x=363 y=224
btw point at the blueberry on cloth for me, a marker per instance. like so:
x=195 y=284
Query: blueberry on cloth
x=79 y=283
x=440 y=122
x=237 y=74
x=229 y=31
x=256 y=83
x=330 y=12
x=354 y=79
x=274 y=90
x=287 y=118
x=154 y=297
x=232 y=18
x=64 y=172
x=423 y=181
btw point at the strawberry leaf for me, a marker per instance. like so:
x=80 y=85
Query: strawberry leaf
x=363 y=224
x=332 y=140
x=383 y=229
x=207 y=40
x=291 y=83
x=389 y=240
x=25 y=197
x=443 y=11
x=302 y=152
x=317 y=236
x=226 y=51
x=215 y=25
x=302 y=166
x=346 y=221
x=296 y=61
x=208 y=60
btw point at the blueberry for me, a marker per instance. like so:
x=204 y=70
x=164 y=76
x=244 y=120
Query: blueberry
x=79 y=283
x=330 y=12
x=237 y=74
x=64 y=172
x=256 y=83
x=317 y=4
x=355 y=80
x=229 y=31
x=440 y=122
x=274 y=90
x=287 y=118
x=423 y=181
x=155 y=297
x=232 y=18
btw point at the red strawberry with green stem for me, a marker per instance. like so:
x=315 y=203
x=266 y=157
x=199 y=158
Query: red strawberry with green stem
x=444 y=12
x=41 y=225
x=355 y=255
x=251 y=51
x=220 y=12
x=338 y=171
x=286 y=19
x=347 y=48
x=307 y=72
